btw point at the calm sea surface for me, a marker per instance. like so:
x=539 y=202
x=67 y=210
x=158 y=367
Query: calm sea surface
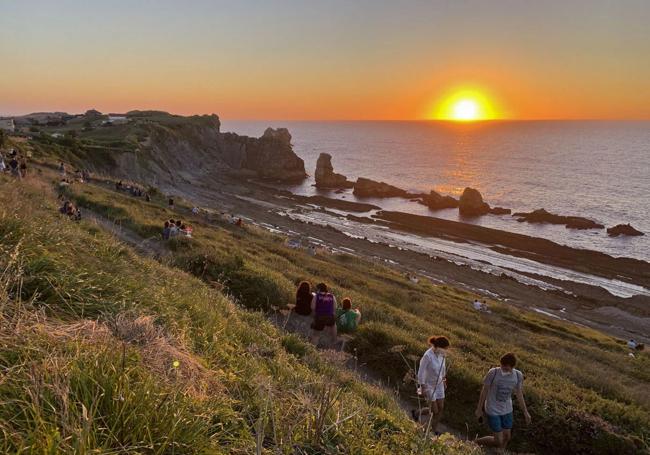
x=595 y=169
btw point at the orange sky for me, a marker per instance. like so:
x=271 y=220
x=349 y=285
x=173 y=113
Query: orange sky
x=291 y=60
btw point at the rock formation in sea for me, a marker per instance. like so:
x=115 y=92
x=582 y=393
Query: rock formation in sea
x=623 y=229
x=436 y=201
x=271 y=156
x=326 y=177
x=471 y=203
x=364 y=187
x=571 y=222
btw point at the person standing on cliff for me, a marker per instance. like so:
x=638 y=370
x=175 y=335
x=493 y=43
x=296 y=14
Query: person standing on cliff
x=496 y=402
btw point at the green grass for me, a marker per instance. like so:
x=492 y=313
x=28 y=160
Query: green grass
x=584 y=393
x=104 y=351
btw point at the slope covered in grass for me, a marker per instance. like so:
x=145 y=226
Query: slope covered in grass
x=105 y=351
x=585 y=394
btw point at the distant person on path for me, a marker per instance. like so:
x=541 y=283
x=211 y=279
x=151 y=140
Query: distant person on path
x=171 y=202
x=3 y=166
x=496 y=402
x=347 y=319
x=304 y=297
x=432 y=381
x=23 y=168
x=477 y=304
x=632 y=344
x=62 y=169
x=323 y=305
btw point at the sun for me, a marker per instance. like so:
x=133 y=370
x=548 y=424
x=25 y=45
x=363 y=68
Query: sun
x=465 y=105
x=465 y=110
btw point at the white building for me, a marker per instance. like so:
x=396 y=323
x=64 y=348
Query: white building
x=7 y=124
x=116 y=119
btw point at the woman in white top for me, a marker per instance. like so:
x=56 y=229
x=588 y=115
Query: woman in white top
x=432 y=380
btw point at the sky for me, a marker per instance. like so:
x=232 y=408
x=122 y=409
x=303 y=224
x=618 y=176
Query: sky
x=329 y=59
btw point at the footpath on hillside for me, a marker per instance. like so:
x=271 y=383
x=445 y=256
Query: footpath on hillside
x=290 y=322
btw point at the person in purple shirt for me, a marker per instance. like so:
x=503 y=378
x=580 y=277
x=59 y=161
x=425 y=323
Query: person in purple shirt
x=323 y=306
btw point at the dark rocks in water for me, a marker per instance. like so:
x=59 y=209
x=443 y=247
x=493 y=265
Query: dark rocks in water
x=500 y=211
x=623 y=229
x=364 y=187
x=571 y=222
x=325 y=175
x=471 y=203
x=436 y=201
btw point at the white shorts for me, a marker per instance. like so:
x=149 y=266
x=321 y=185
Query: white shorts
x=437 y=394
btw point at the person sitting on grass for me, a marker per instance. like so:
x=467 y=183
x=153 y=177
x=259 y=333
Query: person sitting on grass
x=166 y=231
x=173 y=231
x=496 y=402
x=14 y=167
x=64 y=208
x=347 y=319
x=186 y=230
x=323 y=305
x=304 y=297
x=432 y=381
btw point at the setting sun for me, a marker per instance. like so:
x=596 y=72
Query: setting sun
x=465 y=110
x=465 y=105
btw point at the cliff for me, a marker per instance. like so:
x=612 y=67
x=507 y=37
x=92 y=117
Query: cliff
x=163 y=149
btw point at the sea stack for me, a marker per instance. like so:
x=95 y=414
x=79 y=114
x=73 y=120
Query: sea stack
x=471 y=203
x=325 y=175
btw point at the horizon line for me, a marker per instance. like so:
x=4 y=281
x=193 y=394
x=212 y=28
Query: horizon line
x=221 y=118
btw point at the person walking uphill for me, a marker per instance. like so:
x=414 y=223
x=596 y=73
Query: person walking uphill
x=323 y=305
x=496 y=401
x=432 y=381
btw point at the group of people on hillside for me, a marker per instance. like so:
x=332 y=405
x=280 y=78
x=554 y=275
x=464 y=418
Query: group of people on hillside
x=326 y=315
x=495 y=400
x=133 y=190
x=70 y=210
x=15 y=165
x=79 y=175
x=480 y=306
x=173 y=228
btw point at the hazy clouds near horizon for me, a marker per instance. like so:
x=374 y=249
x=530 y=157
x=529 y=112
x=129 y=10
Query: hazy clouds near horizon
x=326 y=60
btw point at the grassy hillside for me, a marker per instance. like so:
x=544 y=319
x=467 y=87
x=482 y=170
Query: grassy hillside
x=585 y=394
x=105 y=351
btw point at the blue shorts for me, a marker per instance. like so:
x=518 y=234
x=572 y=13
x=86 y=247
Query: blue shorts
x=499 y=423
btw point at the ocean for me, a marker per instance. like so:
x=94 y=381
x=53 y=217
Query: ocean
x=595 y=169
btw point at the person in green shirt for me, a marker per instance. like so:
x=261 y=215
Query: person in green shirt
x=347 y=319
